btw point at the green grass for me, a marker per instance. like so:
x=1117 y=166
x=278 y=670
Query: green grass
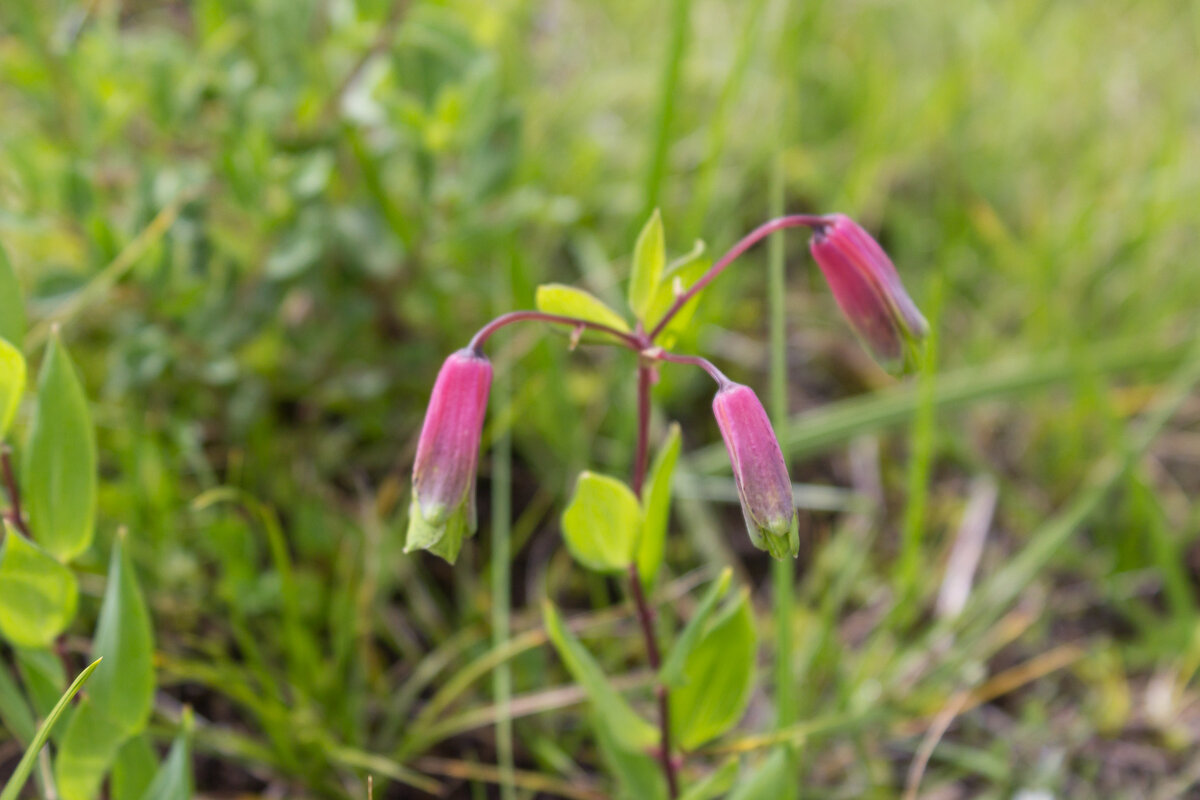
x=258 y=270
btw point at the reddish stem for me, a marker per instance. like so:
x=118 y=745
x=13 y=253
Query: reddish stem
x=14 y=495
x=748 y=241
x=477 y=341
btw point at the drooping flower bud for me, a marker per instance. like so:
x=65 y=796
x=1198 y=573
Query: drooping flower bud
x=868 y=290
x=442 y=512
x=758 y=470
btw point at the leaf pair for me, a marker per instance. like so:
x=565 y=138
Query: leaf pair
x=607 y=528
x=653 y=287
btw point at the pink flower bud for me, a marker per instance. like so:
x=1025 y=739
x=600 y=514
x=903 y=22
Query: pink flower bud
x=442 y=512
x=868 y=289
x=759 y=470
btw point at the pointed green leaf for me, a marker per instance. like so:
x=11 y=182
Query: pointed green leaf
x=86 y=752
x=649 y=258
x=37 y=594
x=677 y=281
x=124 y=689
x=602 y=523
x=12 y=308
x=60 y=460
x=629 y=730
x=764 y=783
x=134 y=769
x=12 y=384
x=719 y=674
x=13 y=788
x=656 y=499
x=567 y=301
x=715 y=784
x=43 y=675
x=671 y=673
x=174 y=778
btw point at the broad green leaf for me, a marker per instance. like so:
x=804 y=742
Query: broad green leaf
x=13 y=788
x=86 y=752
x=675 y=282
x=718 y=675
x=60 y=460
x=766 y=782
x=715 y=784
x=656 y=499
x=12 y=384
x=671 y=673
x=629 y=730
x=649 y=257
x=174 y=778
x=134 y=769
x=602 y=523
x=124 y=689
x=567 y=301
x=37 y=594
x=639 y=776
x=12 y=308
x=14 y=709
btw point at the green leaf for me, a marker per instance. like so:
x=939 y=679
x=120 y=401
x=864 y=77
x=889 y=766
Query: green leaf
x=676 y=281
x=174 y=778
x=602 y=523
x=671 y=673
x=60 y=460
x=12 y=309
x=37 y=594
x=656 y=499
x=86 y=752
x=719 y=674
x=765 y=782
x=639 y=776
x=12 y=384
x=43 y=675
x=714 y=785
x=13 y=788
x=134 y=769
x=124 y=690
x=649 y=257
x=567 y=301
x=14 y=710
x=629 y=730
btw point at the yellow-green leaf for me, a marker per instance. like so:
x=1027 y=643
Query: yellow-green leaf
x=656 y=499
x=174 y=778
x=12 y=383
x=671 y=674
x=12 y=309
x=86 y=752
x=678 y=280
x=649 y=258
x=60 y=460
x=718 y=675
x=765 y=781
x=627 y=729
x=602 y=523
x=567 y=301
x=37 y=594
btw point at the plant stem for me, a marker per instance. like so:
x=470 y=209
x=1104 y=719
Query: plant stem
x=782 y=575
x=747 y=241
x=502 y=566
x=477 y=341
x=644 y=612
x=659 y=354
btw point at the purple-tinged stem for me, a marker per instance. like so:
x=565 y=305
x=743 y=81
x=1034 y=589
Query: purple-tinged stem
x=748 y=241
x=658 y=354
x=644 y=613
x=477 y=341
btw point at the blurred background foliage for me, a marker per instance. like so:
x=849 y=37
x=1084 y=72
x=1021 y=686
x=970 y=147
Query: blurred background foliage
x=264 y=223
